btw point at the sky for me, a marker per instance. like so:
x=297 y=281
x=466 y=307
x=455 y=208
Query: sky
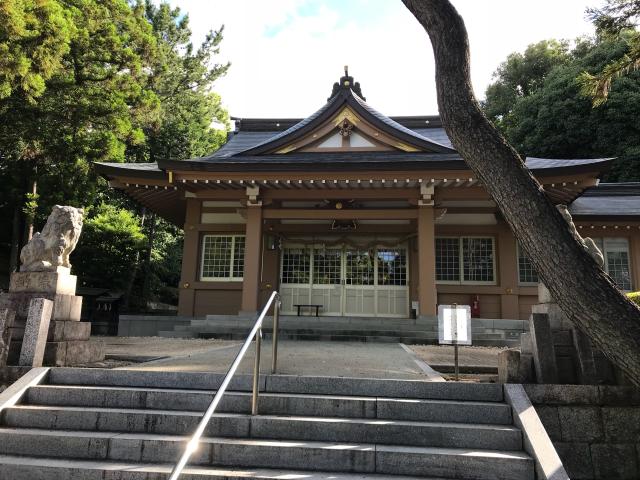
x=286 y=54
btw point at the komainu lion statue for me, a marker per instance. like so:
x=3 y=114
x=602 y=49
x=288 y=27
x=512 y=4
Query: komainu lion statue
x=588 y=243
x=51 y=248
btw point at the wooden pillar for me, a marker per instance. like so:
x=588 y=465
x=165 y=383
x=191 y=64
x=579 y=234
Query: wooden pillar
x=427 y=295
x=252 y=259
x=190 y=258
x=508 y=265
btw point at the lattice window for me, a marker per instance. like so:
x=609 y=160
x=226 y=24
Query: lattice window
x=448 y=259
x=222 y=257
x=327 y=266
x=238 y=257
x=616 y=260
x=465 y=260
x=296 y=265
x=359 y=265
x=526 y=273
x=477 y=259
x=392 y=266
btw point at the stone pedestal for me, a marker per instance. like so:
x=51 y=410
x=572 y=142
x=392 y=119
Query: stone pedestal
x=560 y=353
x=68 y=340
x=544 y=355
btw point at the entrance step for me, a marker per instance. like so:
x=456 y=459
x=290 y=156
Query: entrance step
x=26 y=468
x=268 y=453
x=133 y=425
x=386 y=408
x=398 y=432
x=486 y=332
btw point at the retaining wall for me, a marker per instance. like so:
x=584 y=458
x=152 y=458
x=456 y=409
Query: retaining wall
x=595 y=429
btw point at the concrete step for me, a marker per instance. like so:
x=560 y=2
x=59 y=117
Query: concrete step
x=261 y=453
x=342 y=330
x=31 y=468
x=273 y=403
x=408 y=389
x=327 y=429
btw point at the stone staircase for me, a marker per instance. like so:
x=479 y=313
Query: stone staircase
x=125 y=424
x=486 y=332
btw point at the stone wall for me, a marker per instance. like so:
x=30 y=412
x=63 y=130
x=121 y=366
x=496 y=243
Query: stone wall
x=595 y=429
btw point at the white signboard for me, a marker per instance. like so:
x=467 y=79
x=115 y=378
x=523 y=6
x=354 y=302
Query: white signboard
x=454 y=324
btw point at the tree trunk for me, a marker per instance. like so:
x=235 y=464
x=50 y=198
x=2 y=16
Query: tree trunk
x=134 y=269
x=29 y=221
x=147 y=258
x=584 y=292
x=14 y=255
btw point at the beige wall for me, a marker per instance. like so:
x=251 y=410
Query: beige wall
x=505 y=299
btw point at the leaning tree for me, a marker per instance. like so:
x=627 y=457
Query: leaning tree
x=584 y=292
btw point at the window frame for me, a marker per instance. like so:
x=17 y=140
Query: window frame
x=603 y=243
x=232 y=258
x=520 y=252
x=462 y=281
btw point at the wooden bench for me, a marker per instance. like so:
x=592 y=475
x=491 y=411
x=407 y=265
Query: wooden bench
x=299 y=306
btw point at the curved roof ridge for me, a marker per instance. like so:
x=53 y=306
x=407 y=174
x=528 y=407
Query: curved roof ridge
x=392 y=123
x=294 y=128
x=346 y=97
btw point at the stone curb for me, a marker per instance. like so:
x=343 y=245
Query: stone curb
x=535 y=438
x=14 y=392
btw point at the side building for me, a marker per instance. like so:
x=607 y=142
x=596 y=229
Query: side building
x=364 y=215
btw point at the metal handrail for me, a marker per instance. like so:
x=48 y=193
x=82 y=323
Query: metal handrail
x=256 y=332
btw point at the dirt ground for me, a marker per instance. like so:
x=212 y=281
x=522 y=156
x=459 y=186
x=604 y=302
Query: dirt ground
x=468 y=356
x=158 y=346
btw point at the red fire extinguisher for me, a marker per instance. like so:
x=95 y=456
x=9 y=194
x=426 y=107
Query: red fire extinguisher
x=475 y=306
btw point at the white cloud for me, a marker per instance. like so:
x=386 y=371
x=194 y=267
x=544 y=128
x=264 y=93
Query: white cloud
x=286 y=54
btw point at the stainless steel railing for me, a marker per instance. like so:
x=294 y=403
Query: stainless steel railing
x=256 y=332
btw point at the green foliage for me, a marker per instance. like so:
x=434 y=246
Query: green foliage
x=182 y=78
x=522 y=74
x=111 y=240
x=634 y=297
x=103 y=80
x=166 y=260
x=92 y=107
x=34 y=37
x=556 y=120
x=616 y=19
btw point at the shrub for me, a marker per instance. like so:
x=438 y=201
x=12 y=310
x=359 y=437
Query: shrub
x=634 y=297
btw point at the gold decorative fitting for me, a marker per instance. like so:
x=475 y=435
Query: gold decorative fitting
x=346 y=83
x=406 y=148
x=338 y=205
x=346 y=113
x=186 y=285
x=287 y=149
x=345 y=128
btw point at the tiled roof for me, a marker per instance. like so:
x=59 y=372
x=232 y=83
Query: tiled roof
x=608 y=199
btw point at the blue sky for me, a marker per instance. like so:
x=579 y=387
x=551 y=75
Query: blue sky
x=286 y=54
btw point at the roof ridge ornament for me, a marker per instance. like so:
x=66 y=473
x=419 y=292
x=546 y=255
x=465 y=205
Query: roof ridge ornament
x=346 y=83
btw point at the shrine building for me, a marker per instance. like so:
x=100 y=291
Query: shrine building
x=363 y=215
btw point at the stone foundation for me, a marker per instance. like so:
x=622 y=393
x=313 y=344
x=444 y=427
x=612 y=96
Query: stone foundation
x=595 y=429
x=555 y=352
x=68 y=339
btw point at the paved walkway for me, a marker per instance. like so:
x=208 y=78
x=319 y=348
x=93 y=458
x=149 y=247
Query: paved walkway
x=346 y=359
